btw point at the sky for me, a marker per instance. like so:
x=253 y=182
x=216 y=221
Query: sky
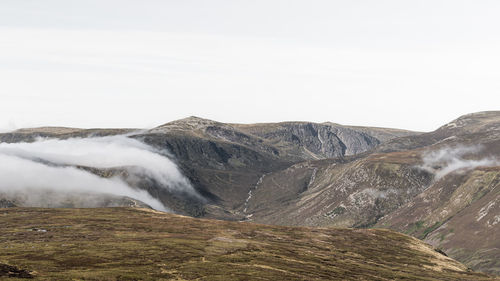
x=140 y=63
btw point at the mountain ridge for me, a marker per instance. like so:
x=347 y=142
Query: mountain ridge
x=325 y=174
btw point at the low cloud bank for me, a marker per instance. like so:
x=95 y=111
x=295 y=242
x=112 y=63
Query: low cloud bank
x=47 y=165
x=452 y=159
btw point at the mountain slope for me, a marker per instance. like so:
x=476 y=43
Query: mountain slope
x=444 y=190
x=226 y=160
x=460 y=214
x=346 y=193
x=133 y=244
x=223 y=161
x=435 y=186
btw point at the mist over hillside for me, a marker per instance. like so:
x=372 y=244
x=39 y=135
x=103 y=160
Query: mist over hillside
x=439 y=186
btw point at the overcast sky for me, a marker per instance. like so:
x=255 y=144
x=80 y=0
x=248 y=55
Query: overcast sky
x=140 y=63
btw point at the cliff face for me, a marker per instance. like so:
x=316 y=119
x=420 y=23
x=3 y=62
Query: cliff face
x=294 y=141
x=312 y=141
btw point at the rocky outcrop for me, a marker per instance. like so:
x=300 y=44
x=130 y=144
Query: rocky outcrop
x=10 y=271
x=5 y=203
x=312 y=141
x=288 y=140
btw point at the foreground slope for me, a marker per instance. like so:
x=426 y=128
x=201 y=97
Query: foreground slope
x=140 y=244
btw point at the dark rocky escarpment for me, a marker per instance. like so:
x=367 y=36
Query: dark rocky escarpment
x=311 y=141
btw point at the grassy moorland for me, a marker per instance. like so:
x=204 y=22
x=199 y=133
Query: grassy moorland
x=140 y=244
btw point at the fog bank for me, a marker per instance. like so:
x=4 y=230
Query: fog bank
x=453 y=159
x=49 y=166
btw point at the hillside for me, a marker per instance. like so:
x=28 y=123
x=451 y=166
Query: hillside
x=440 y=186
x=444 y=190
x=224 y=161
x=139 y=244
x=453 y=210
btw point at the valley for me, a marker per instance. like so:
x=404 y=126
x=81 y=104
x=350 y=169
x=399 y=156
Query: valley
x=441 y=187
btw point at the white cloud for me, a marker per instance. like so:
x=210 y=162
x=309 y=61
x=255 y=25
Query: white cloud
x=43 y=165
x=455 y=159
x=30 y=181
